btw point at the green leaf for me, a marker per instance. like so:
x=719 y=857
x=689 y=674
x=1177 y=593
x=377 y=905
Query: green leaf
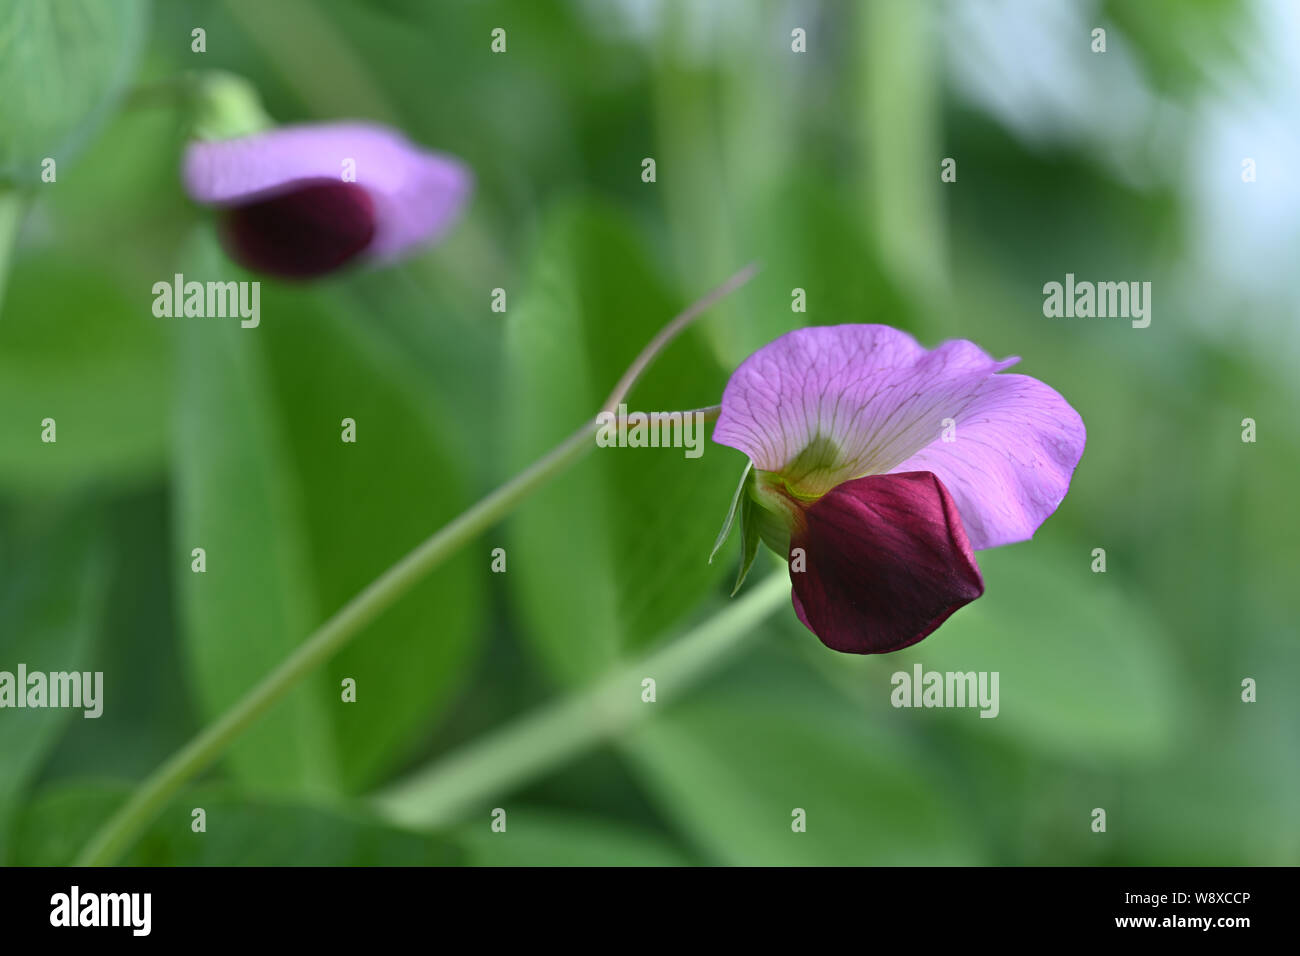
x=365 y=504
x=141 y=215
x=63 y=63
x=1173 y=41
x=732 y=765
x=52 y=577
x=540 y=837
x=807 y=237
x=76 y=348
x=152 y=714
x=615 y=551
x=1083 y=671
x=236 y=497
x=240 y=832
x=302 y=521
x=1236 y=777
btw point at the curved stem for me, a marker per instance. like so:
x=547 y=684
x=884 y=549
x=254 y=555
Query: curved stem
x=671 y=331
x=489 y=769
x=123 y=827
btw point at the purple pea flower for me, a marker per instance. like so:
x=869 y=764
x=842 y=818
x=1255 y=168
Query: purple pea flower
x=852 y=461
x=290 y=209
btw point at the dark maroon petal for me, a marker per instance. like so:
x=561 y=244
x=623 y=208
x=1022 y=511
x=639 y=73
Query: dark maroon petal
x=313 y=228
x=886 y=562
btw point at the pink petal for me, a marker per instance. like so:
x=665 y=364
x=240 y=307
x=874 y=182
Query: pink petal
x=867 y=399
x=870 y=389
x=887 y=562
x=1016 y=445
x=416 y=194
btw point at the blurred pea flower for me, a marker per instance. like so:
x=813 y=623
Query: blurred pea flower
x=878 y=468
x=303 y=201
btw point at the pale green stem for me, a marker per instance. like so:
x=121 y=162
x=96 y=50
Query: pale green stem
x=125 y=825
x=11 y=214
x=899 y=127
x=671 y=331
x=489 y=769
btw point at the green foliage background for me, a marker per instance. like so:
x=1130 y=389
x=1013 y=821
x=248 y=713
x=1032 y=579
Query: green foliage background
x=1118 y=690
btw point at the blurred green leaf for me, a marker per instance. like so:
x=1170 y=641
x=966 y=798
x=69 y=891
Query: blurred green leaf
x=1184 y=45
x=75 y=347
x=1235 y=772
x=806 y=237
x=239 y=832
x=540 y=837
x=52 y=578
x=62 y=63
x=1231 y=808
x=152 y=712
x=301 y=521
x=732 y=765
x=617 y=549
x=1083 y=671
x=366 y=504
x=123 y=208
x=236 y=497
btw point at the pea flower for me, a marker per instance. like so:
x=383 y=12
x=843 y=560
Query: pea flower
x=303 y=201
x=878 y=468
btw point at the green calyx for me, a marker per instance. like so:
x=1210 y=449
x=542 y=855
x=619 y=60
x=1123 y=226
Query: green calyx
x=767 y=511
x=770 y=505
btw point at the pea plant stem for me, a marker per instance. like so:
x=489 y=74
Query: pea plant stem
x=488 y=769
x=120 y=831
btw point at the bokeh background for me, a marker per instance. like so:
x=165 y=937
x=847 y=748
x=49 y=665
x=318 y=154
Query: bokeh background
x=1119 y=690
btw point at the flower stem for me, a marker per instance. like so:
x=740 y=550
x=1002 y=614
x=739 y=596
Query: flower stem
x=125 y=825
x=489 y=769
x=671 y=331
x=11 y=214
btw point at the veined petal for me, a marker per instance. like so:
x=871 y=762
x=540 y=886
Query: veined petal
x=823 y=405
x=1014 y=448
x=415 y=194
x=886 y=561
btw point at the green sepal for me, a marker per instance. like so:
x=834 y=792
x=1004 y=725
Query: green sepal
x=749 y=539
x=731 y=512
x=743 y=504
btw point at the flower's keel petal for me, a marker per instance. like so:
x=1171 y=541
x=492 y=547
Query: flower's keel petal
x=1013 y=450
x=312 y=230
x=826 y=404
x=885 y=561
